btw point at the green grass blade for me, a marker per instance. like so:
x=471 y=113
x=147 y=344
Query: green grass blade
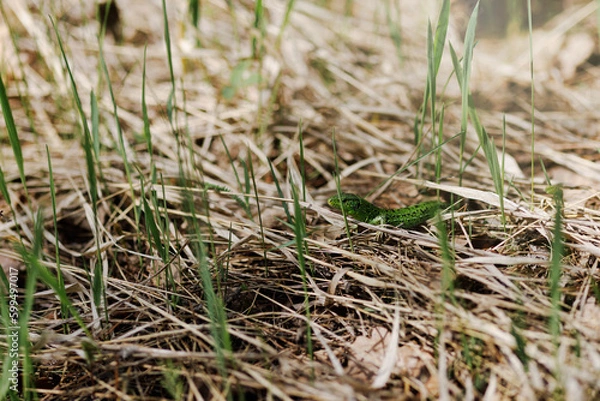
x=258 y=211
x=467 y=61
x=92 y=151
x=521 y=345
x=300 y=234
x=456 y=65
x=59 y=276
x=393 y=25
x=13 y=136
x=338 y=186
x=194 y=10
x=97 y=284
x=31 y=259
x=245 y=203
x=489 y=150
x=302 y=161
x=214 y=306
x=152 y=227
x=275 y=176
x=145 y=116
x=87 y=140
x=435 y=50
x=465 y=73
x=448 y=262
x=95 y=129
x=258 y=41
x=438 y=152
x=441 y=31
x=503 y=170
x=532 y=111
x=120 y=145
x=172 y=99
x=469 y=112
x=556 y=264
x=6 y=194
x=431 y=80
x=286 y=20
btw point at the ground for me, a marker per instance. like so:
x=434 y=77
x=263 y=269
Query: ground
x=164 y=176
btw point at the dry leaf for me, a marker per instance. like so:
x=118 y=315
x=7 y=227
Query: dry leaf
x=369 y=353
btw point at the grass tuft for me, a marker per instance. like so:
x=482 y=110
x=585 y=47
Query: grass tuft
x=164 y=221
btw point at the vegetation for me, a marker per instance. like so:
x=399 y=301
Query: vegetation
x=165 y=232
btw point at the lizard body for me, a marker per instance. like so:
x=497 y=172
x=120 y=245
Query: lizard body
x=365 y=211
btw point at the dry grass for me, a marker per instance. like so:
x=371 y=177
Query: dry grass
x=382 y=325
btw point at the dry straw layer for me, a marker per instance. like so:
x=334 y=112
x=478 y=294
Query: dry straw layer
x=382 y=322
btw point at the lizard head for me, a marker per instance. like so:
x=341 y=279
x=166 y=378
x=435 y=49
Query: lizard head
x=350 y=202
x=356 y=207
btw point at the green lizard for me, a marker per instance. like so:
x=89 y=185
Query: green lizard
x=406 y=217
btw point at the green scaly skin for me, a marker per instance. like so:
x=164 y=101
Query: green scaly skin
x=406 y=217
